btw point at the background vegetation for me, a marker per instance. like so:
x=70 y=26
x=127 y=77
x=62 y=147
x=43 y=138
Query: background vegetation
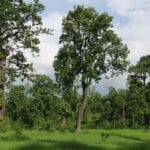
x=40 y=104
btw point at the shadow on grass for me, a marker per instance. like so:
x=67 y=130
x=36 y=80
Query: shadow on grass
x=137 y=146
x=48 y=144
x=15 y=137
x=61 y=145
x=128 y=137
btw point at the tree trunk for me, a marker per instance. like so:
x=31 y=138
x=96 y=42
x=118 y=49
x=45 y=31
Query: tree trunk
x=82 y=108
x=64 y=115
x=64 y=120
x=123 y=112
x=133 y=120
x=2 y=84
x=1 y=114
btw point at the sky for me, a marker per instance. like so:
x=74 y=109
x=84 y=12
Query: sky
x=131 y=20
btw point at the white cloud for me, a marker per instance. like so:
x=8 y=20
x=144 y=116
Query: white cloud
x=126 y=7
x=135 y=32
x=116 y=82
x=49 y=44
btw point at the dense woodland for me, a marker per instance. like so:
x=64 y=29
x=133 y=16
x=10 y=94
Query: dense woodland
x=89 y=50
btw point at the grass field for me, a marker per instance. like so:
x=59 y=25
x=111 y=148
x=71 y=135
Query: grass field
x=125 y=139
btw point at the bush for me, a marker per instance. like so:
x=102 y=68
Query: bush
x=16 y=126
x=120 y=124
x=5 y=125
x=107 y=125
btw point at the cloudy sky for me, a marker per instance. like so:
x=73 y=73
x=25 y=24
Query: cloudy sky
x=131 y=23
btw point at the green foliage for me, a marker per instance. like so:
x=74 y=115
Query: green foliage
x=107 y=125
x=5 y=125
x=20 y=24
x=17 y=107
x=139 y=92
x=142 y=66
x=41 y=105
x=36 y=105
x=45 y=100
x=90 y=49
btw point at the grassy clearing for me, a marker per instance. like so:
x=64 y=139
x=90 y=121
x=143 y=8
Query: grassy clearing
x=87 y=140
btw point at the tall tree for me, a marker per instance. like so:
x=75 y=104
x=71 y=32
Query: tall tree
x=142 y=69
x=18 y=105
x=122 y=102
x=20 y=25
x=69 y=100
x=90 y=49
x=138 y=81
x=45 y=101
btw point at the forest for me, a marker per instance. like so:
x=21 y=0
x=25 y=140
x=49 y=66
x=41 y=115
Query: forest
x=39 y=112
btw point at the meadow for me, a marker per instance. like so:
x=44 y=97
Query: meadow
x=96 y=139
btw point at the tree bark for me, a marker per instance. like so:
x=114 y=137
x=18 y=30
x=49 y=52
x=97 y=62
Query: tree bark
x=133 y=120
x=64 y=120
x=81 y=109
x=2 y=84
x=64 y=115
x=123 y=111
x=1 y=114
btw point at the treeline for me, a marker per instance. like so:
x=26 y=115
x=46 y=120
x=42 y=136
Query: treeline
x=42 y=105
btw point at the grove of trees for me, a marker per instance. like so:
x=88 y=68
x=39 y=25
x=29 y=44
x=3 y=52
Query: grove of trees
x=41 y=105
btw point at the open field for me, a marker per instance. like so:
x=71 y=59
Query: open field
x=124 y=139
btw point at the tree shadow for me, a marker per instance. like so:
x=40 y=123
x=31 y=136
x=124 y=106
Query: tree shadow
x=136 y=146
x=18 y=136
x=61 y=145
x=128 y=137
x=48 y=144
x=74 y=145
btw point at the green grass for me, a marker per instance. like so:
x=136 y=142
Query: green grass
x=125 y=139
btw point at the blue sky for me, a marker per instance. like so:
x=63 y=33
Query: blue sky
x=131 y=23
x=63 y=6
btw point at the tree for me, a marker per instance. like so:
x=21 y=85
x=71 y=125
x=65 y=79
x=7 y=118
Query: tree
x=138 y=81
x=45 y=102
x=142 y=69
x=35 y=104
x=94 y=110
x=69 y=102
x=18 y=105
x=122 y=102
x=20 y=25
x=90 y=49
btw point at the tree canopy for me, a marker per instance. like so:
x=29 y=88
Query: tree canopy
x=142 y=69
x=20 y=26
